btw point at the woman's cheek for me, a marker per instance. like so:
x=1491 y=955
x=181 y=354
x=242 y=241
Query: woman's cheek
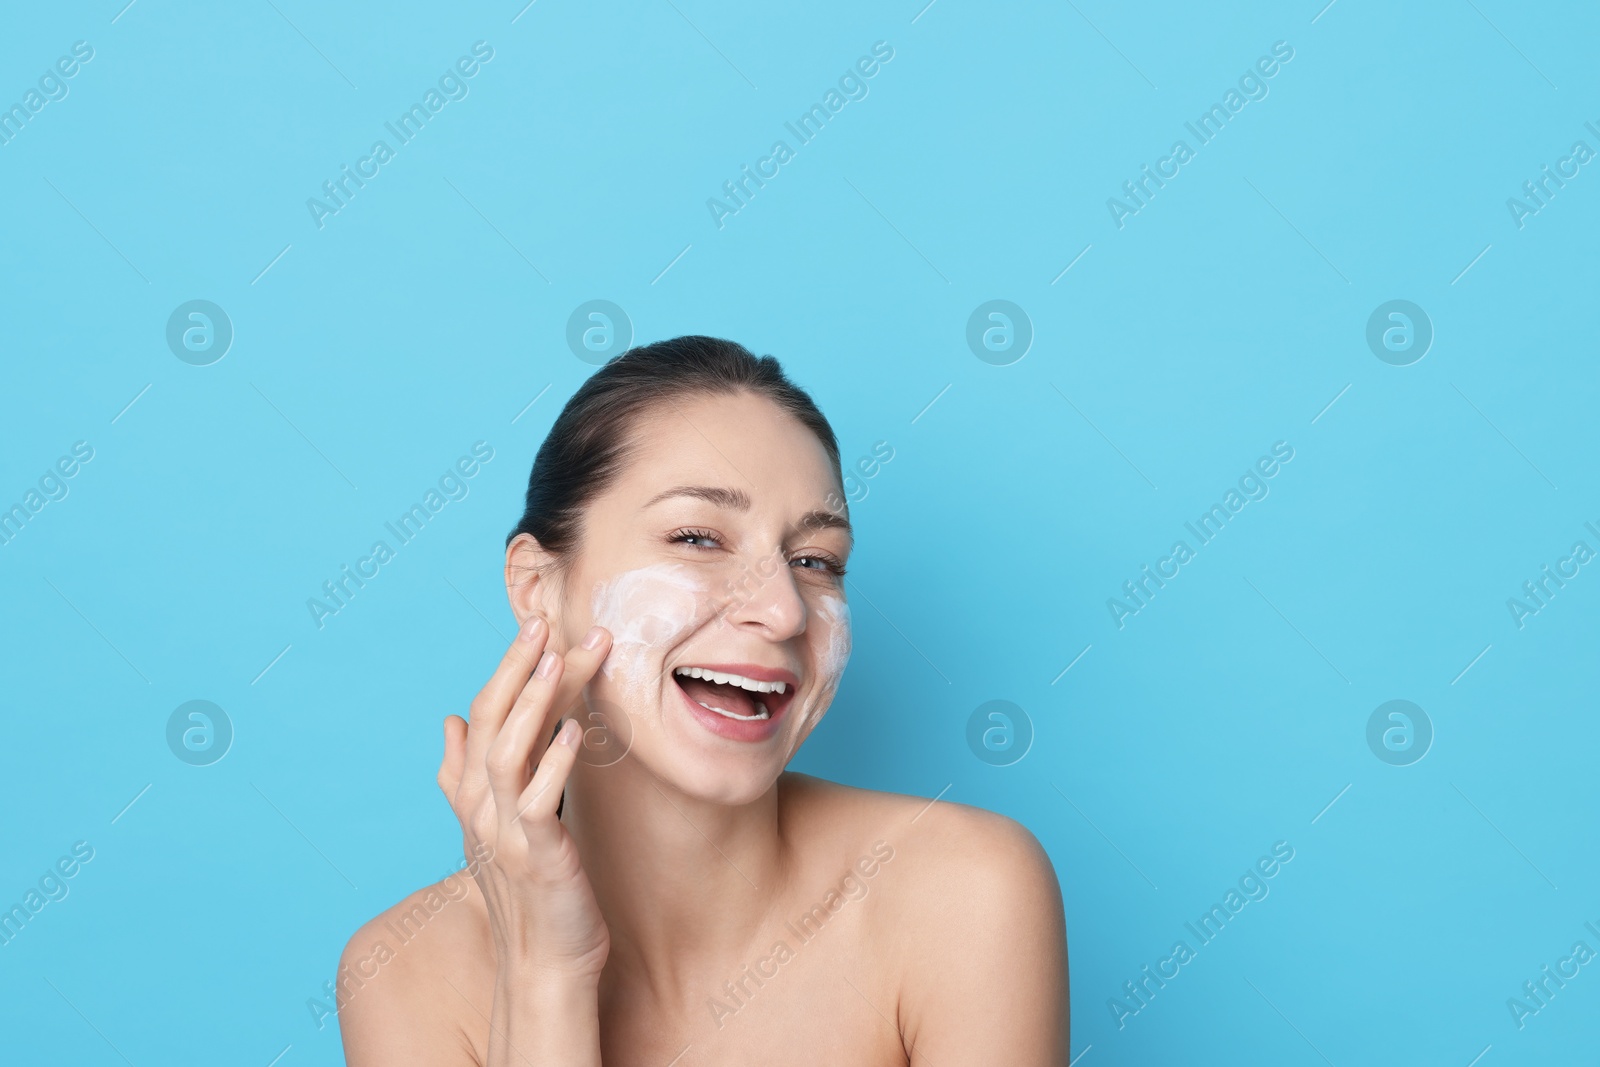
x=647 y=610
x=832 y=652
x=835 y=651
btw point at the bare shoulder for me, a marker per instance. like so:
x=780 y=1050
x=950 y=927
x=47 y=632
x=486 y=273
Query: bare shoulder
x=397 y=971
x=949 y=846
x=969 y=908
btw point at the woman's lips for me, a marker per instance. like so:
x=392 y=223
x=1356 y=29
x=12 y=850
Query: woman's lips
x=746 y=696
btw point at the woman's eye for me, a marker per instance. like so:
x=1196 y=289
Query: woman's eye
x=696 y=538
x=818 y=563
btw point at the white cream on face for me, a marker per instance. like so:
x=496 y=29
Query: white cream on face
x=649 y=610
x=831 y=630
x=645 y=609
x=836 y=653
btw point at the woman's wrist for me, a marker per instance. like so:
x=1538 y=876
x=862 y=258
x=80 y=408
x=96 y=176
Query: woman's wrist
x=544 y=1016
x=548 y=983
x=539 y=982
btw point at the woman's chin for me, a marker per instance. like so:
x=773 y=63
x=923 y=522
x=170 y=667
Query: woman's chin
x=712 y=757
x=701 y=761
x=720 y=775
x=712 y=786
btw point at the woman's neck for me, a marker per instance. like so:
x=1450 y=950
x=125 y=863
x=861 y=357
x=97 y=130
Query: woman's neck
x=679 y=880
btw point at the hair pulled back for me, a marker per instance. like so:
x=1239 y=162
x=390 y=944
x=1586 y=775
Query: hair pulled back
x=592 y=438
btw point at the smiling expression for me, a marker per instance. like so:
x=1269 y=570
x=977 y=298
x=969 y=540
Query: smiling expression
x=716 y=561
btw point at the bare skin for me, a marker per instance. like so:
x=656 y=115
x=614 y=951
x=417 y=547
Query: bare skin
x=694 y=903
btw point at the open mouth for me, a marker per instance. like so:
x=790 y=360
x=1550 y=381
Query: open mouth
x=750 y=695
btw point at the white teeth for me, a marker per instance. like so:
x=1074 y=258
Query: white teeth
x=733 y=679
x=761 y=712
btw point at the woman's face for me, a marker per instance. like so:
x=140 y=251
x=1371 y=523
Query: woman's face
x=715 y=559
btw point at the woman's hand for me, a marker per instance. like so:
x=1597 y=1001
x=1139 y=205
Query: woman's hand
x=504 y=785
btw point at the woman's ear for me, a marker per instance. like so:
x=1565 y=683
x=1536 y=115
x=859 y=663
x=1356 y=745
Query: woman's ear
x=528 y=588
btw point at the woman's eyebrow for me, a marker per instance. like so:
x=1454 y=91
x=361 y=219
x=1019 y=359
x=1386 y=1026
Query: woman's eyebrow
x=826 y=520
x=733 y=499
x=739 y=500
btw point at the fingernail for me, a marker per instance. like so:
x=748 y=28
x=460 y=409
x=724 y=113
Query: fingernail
x=547 y=665
x=531 y=629
x=569 y=733
x=592 y=639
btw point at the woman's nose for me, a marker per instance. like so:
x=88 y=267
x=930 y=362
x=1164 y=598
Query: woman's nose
x=766 y=598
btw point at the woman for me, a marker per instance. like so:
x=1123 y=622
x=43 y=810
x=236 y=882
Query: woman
x=651 y=887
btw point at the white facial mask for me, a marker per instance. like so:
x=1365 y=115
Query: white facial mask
x=830 y=623
x=646 y=608
x=649 y=609
x=836 y=653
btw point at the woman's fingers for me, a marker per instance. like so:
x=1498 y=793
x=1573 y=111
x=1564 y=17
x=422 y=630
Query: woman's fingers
x=512 y=751
x=582 y=663
x=455 y=756
x=540 y=799
x=554 y=687
x=494 y=700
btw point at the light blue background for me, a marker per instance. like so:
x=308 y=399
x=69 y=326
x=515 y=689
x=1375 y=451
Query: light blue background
x=1222 y=318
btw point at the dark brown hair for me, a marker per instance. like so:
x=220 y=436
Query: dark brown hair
x=592 y=437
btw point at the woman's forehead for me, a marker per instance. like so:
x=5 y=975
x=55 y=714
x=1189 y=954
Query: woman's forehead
x=742 y=443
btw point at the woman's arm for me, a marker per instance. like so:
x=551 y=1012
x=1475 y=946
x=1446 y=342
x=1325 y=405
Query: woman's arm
x=550 y=940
